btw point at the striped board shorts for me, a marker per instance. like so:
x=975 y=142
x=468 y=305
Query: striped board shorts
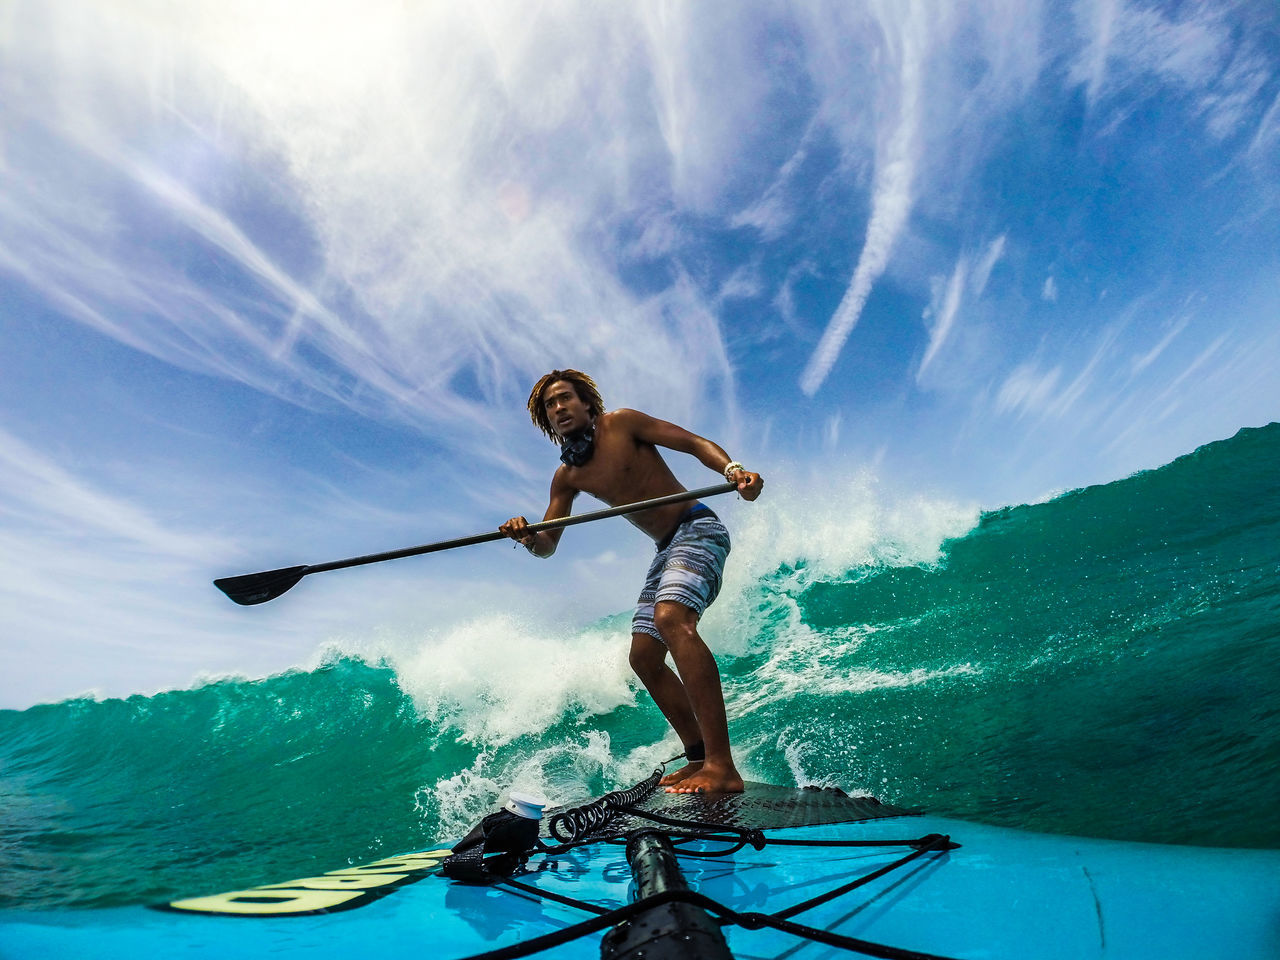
x=687 y=568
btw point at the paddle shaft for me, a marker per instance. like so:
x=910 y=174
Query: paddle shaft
x=556 y=524
x=257 y=588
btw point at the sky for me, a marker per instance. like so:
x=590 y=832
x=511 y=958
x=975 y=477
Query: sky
x=276 y=278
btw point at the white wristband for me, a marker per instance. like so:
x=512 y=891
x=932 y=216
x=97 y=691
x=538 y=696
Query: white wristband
x=730 y=468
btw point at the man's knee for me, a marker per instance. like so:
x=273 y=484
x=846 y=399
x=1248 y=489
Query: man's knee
x=647 y=656
x=677 y=623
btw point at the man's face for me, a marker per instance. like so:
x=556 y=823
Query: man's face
x=565 y=409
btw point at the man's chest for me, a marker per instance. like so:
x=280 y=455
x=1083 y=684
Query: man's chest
x=617 y=464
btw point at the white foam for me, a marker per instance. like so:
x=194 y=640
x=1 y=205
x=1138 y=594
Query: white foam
x=817 y=530
x=833 y=525
x=793 y=752
x=566 y=773
x=494 y=679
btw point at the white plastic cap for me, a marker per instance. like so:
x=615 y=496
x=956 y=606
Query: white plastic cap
x=527 y=805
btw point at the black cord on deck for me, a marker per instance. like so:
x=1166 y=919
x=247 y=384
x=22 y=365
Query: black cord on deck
x=749 y=921
x=572 y=827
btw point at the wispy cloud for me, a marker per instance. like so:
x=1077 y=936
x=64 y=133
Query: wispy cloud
x=1152 y=411
x=1266 y=137
x=1141 y=49
x=1028 y=389
x=1146 y=359
x=1127 y=41
x=942 y=313
x=1231 y=103
x=1031 y=390
x=775 y=208
x=32 y=484
x=906 y=42
x=982 y=272
x=927 y=128
x=831 y=432
x=947 y=299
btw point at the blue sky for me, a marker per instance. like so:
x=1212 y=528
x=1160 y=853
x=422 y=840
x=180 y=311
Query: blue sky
x=275 y=278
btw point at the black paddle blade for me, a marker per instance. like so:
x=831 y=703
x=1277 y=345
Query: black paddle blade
x=260 y=587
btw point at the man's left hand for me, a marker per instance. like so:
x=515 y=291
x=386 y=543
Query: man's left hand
x=749 y=484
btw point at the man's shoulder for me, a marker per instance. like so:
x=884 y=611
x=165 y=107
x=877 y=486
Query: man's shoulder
x=622 y=417
x=623 y=423
x=561 y=483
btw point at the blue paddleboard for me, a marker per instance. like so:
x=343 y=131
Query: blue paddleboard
x=930 y=886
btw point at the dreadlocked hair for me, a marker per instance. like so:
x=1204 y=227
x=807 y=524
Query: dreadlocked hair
x=583 y=386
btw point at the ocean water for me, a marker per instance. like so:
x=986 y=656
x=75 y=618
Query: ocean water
x=1106 y=663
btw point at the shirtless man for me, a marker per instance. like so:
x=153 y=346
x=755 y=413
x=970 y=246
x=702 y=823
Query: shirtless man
x=614 y=457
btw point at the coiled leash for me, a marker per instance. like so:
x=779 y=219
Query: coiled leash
x=572 y=825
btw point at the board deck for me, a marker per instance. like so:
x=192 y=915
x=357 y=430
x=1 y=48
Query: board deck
x=763 y=806
x=1001 y=894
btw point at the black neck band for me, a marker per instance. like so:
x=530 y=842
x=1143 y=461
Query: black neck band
x=577 y=448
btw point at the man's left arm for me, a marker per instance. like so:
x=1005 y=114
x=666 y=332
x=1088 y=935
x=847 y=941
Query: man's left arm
x=661 y=433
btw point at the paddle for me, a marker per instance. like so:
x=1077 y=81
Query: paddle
x=260 y=587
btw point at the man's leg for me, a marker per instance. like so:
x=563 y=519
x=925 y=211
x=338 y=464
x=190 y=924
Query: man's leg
x=678 y=625
x=649 y=661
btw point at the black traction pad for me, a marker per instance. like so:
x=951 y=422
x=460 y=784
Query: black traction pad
x=761 y=806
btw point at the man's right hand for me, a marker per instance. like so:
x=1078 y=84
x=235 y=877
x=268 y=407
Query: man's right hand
x=517 y=528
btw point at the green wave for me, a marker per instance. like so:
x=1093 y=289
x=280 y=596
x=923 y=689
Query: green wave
x=1120 y=645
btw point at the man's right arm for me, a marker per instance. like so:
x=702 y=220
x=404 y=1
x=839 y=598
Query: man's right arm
x=544 y=543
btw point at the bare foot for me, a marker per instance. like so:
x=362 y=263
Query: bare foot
x=688 y=770
x=710 y=780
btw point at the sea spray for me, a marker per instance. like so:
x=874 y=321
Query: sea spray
x=494 y=679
